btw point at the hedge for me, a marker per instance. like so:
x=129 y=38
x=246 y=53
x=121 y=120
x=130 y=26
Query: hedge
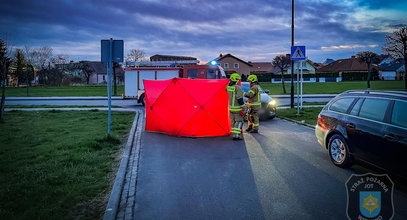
x=351 y=76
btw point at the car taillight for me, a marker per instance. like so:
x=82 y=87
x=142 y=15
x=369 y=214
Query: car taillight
x=322 y=122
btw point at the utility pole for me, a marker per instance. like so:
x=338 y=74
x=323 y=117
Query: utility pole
x=292 y=62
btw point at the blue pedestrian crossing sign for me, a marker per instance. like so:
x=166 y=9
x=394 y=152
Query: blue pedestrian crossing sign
x=298 y=53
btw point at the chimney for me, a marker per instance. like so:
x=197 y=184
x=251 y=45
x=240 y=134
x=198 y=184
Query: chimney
x=220 y=55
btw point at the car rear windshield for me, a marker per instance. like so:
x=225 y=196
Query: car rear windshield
x=399 y=116
x=374 y=109
x=341 y=105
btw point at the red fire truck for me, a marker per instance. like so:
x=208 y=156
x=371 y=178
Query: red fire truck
x=136 y=72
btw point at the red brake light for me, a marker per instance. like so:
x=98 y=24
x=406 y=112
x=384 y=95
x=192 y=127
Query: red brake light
x=322 y=122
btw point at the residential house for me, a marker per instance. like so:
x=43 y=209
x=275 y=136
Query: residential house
x=308 y=67
x=392 y=69
x=347 y=66
x=328 y=61
x=260 y=68
x=232 y=64
x=99 y=76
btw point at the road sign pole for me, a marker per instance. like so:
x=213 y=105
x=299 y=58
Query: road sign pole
x=109 y=87
x=298 y=88
x=302 y=79
x=111 y=50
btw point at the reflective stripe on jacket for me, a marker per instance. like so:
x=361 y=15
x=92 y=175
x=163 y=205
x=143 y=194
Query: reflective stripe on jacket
x=254 y=95
x=235 y=93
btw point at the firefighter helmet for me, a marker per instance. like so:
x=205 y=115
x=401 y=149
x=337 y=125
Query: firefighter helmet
x=252 y=78
x=235 y=77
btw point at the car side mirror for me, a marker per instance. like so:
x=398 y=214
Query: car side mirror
x=267 y=91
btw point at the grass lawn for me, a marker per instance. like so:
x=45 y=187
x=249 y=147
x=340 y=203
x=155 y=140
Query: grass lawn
x=51 y=91
x=308 y=103
x=332 y=87
x=58 y=164
x=308 y=115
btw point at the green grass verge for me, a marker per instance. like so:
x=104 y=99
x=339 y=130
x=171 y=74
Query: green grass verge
x=275 y=89
x=332 y=87
x=60 y=106
x=307 y=115
x=309 y=103
x=58 y=164
x=52 y=91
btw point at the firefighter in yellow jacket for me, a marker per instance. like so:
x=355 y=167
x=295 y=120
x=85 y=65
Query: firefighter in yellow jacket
x=253 y=104
x=236 y=105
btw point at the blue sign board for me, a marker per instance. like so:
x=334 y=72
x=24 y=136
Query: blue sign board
x=117 y=51
x=298 y=53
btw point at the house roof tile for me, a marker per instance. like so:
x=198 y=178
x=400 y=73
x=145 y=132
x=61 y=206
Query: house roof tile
x=261 y=66
x=230 y=55
x=345 y=65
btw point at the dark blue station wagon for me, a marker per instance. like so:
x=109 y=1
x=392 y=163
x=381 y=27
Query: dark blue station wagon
x=366 y=126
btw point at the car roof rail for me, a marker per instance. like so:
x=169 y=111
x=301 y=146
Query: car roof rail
x=401 y=93
x=357 y=91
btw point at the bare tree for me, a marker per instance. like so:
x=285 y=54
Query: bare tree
x=42 y=59
x=282 y=62
x=369 y=58
x=136 y=55
x=30 y=61
x=396 y=45
x=5 y=62
x=44 y=55
x=86 y=70
x=59 y=59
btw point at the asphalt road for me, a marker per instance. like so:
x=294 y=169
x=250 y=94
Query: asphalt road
x=81 y=102
x=280 y=173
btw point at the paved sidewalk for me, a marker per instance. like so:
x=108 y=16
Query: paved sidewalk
x=122 y=203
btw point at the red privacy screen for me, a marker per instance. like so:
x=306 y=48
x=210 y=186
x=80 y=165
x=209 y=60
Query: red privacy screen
x=187 y=107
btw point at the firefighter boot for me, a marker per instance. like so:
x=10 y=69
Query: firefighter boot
x=237 y=137
x=248 y=129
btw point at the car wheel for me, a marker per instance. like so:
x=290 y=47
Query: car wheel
x=143 y=99
x=339 y=151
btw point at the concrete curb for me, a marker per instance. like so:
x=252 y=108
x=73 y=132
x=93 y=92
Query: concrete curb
x=297 y=122
x=114 y=199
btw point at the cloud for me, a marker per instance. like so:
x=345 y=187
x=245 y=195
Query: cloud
x=252 y=29
x=347 y=47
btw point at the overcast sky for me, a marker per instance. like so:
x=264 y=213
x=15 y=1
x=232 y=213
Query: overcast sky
x=254 y=30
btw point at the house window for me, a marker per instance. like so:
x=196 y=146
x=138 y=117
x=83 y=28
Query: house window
x=226 y=65
x=236 y=65
x=103 y=77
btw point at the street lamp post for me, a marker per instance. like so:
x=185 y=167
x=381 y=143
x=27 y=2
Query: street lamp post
x=292 y=62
